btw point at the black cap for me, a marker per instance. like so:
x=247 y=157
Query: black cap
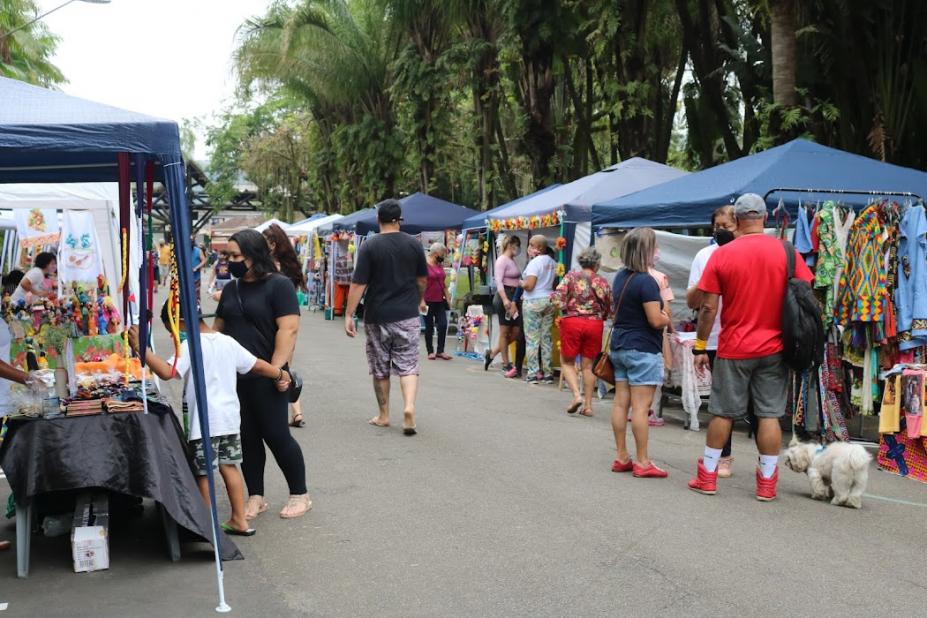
x=389 y=211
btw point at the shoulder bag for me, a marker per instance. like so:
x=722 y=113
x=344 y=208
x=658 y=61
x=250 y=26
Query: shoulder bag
x=296 y=382
x=602 y=366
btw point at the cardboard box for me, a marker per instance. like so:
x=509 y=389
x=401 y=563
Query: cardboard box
x=90 y=535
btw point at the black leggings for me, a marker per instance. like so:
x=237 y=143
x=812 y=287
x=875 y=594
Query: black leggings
x=265 y=419
x=437 y=316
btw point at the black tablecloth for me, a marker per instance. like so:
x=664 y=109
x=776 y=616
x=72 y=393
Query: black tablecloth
x=136 y=454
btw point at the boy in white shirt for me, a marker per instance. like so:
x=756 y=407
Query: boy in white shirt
x=223 y=359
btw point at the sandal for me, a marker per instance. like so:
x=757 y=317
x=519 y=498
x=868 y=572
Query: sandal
x=228 y=529
x=574 y=408
x=296 y=506
x=445 y=356
x=251 y=512
x=298 y=421
x=587 y=412
x=432 y=356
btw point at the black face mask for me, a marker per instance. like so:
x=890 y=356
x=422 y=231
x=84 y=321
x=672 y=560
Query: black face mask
x=723 y=236
x=238 y=269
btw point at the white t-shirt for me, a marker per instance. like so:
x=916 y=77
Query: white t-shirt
x=545 y=269
x=698 y=267
x=37 y=277
x=223 y=359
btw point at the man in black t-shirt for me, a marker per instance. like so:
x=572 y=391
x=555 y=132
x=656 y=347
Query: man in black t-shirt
x=391 y=268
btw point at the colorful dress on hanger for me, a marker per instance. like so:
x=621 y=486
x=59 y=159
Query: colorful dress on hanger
x=830 y=259
x=911 y=280
x=863 y=290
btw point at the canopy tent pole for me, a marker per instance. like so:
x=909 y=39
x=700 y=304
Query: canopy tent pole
x=841 y=192
x=144 y=324
x=172 y=167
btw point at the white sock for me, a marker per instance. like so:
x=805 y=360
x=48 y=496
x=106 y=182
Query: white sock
x=710 y=458
x=768 y=465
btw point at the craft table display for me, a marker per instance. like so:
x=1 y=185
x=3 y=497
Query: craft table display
x=139 y=455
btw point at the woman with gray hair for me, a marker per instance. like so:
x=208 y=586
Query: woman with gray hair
x=636 y=349
x=435 y=304
x=584 y=299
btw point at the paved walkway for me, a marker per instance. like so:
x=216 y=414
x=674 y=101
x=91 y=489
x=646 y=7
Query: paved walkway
x=503 y=505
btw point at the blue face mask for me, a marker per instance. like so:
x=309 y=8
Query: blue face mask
x=183 y=336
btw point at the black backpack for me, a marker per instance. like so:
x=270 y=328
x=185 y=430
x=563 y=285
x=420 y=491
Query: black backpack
x=802 y=325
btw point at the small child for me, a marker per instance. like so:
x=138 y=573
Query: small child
x=223 y=359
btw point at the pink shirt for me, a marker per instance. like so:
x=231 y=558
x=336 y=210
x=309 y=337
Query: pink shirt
x=434 y=289
x=507 y=272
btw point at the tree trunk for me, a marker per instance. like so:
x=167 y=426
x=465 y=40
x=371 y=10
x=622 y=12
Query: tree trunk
x=782 y=30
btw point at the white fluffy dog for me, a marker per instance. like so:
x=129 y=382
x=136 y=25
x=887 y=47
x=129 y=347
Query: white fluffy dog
x=839 y=471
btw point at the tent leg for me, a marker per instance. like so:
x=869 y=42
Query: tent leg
x=170 y=532
x=23 y=537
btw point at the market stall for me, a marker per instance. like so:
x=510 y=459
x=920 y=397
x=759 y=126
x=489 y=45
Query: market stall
x=338 y=242
x=854 y=219
x=312 y=255
x=49 y=137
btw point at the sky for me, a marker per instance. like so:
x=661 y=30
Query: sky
x=166 y=58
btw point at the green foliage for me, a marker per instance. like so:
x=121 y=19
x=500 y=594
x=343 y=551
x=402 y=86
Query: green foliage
x=26 y=54
x=480 y=101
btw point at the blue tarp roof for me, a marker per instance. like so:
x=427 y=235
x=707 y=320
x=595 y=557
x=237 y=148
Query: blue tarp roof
x=318 y=215
x=800 y=164
x=576 y=198
x=48 y=136
x=349 y=221
x=479 y=220
x=421 y=213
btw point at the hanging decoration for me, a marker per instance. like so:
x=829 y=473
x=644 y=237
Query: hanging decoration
x=526 y=223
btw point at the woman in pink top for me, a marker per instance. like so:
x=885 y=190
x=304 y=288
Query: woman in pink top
x=436 y=302
x=507 y=276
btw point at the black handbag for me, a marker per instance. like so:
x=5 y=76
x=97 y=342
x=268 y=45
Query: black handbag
x=296 y=382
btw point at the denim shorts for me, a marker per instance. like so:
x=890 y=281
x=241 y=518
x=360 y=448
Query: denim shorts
x=638 y=368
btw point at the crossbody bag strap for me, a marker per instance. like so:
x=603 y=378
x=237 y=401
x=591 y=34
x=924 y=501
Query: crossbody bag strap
x=789 y=260
x=244 y=314
x=624 y=288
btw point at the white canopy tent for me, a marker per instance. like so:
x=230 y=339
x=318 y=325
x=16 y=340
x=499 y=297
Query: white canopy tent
x=307 y=227
x=101 y=199
x=270 y=222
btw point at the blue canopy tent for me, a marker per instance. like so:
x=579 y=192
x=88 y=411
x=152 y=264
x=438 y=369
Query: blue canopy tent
x=818 y=171
x=349 y=222
x=570 y=205
x=50 y=137
x=480 y=220
x=421 y=213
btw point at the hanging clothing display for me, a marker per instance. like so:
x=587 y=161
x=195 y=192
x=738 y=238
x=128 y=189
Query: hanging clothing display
x=80 y=259
x=911 y=278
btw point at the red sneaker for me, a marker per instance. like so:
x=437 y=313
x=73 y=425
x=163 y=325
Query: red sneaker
x=705 y=482
x=622 y=467
x=766 y=487
x=650 y=471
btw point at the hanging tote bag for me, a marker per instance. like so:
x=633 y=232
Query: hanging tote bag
x=602 y=366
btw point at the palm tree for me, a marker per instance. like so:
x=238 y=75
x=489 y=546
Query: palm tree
x=335 y=56
x=782 y=33
x=25 y=54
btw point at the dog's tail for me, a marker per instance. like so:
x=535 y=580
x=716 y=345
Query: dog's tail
x=859 y=459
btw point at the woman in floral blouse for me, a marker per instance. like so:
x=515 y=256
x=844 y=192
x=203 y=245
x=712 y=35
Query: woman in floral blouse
x=584 y=299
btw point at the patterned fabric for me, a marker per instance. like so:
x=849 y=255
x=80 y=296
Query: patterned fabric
x=904 y=456
x=830 y=259
x=581 y=295
x=539 y=318
x=863 y=290
x=226 y=450
x=393 y=347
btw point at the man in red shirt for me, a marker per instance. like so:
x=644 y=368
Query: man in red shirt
x=750 y=274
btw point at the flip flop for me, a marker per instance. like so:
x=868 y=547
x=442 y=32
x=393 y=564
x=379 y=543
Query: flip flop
x=586 y=413
x=298 y=423
x=226 y=528
x=573 y=409
x=409 y=431
x=374 y=422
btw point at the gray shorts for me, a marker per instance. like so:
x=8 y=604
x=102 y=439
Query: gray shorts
x=735 y=383
x=392 y=347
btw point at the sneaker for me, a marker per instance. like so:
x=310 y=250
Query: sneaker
x=512 y=373
x=705 y=482
x=724 y=468
x=655 y=421
x=627 y=466
x=549 y=378
x=650 y=471
x=766 y=487
x=534 y=379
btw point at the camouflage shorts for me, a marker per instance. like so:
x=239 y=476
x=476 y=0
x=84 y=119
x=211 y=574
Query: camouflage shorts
x=226 y=448
x=392 y=347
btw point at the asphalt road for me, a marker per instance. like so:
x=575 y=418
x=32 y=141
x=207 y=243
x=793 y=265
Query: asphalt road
x=502 y=506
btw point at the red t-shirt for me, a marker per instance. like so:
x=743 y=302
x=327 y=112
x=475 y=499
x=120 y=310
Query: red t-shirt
x=749 y=274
